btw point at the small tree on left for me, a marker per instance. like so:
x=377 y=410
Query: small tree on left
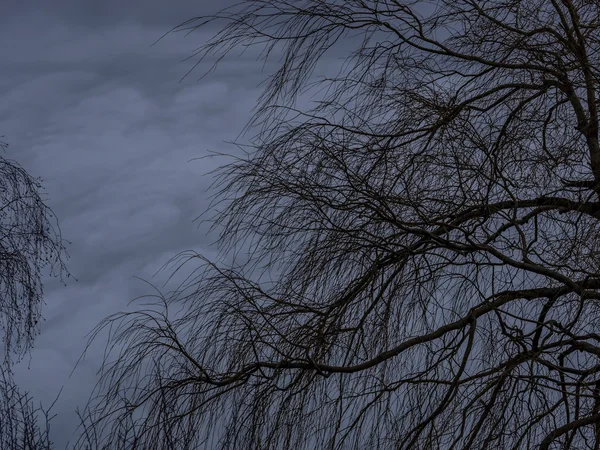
x=30 y=246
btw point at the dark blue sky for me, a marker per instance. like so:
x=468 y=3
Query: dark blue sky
x=90 y=106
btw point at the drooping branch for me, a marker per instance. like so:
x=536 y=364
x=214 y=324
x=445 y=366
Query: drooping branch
x=410 y=263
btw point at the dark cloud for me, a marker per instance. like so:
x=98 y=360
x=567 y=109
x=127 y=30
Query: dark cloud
x=91 y=13
x=90 y=106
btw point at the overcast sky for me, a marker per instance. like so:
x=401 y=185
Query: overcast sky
x=96 y=111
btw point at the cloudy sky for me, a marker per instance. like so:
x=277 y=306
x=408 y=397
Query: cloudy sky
x=90 y=106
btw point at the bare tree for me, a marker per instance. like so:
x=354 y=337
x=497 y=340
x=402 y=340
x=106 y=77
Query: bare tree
x=416 y=259
x=23 y=425
x=30 y=244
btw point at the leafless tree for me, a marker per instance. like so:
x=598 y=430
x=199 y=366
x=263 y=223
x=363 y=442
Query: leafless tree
x=414 y=261
x=30 y=245
x=23 y=425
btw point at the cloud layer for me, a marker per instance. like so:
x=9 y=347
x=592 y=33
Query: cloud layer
x=88 y=105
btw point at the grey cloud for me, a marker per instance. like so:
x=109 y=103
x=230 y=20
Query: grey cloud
x=90 y=13
x=102 y=118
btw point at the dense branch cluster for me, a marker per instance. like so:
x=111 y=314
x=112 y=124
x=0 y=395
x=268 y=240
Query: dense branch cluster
x=417 y=258
x=30 y=244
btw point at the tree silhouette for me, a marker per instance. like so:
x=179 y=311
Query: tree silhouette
x=414 y=262
x=30 y=244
